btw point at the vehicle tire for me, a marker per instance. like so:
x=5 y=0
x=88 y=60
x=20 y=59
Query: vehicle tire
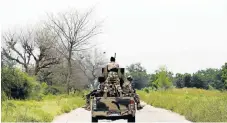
x=131 y=119
x=94 y=120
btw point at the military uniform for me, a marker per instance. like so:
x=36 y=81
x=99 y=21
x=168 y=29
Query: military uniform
x=94 y=93
x=112 y=78
x=128 y=88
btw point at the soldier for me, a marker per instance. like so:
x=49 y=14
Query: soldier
x=96 y=92
x=129 y=88
x=112 y=68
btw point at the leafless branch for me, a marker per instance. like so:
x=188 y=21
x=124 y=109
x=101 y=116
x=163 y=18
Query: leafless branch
x=74 y=33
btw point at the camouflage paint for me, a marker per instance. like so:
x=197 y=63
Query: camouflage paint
x=121 y=105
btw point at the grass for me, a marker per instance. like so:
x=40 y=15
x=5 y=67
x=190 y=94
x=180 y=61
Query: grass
x=196 y=105
x=40 y=111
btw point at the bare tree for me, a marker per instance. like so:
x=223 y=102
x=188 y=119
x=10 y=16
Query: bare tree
x=44 y=41
x=74 y=34
x=59 y=75
x=30 y=44
x=91 y=63
x=18 y=45
x=5 y=62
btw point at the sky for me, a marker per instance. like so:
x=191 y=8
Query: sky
x=184 y=35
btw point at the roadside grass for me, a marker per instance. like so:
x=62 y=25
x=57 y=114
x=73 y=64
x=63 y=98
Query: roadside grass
x=40 y=111
x=196 y=105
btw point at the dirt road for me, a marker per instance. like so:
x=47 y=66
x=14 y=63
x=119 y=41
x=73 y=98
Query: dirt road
x=147 y=114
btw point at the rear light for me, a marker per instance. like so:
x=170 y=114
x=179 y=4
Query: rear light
x=132 y=105
x=132 y=102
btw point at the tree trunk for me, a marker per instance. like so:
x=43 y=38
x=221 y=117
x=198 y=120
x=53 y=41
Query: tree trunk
x=36 y=68
x=69 y=74
x=69 y=69
x=26 y=68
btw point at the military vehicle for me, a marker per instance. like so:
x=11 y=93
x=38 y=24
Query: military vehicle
x=113 y=107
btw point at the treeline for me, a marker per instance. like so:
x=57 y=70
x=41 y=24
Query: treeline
x=57 y=55
x=209 y=78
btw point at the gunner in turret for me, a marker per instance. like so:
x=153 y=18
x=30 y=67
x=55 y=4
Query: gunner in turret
x=112 y=68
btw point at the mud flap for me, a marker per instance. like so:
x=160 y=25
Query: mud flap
x=94 y=120
x=131 y=119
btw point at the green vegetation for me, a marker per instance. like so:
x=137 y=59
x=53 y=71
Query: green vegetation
x=224 y=75
x=40 y=111
x=50 y=69
x=139 y=75
x=196 y=105
x=200 y=96
x=210 y=78
x=162 y=80
x=19 y=85
x=26 y=100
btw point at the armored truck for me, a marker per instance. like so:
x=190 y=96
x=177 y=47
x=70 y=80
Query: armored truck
x=113 y=107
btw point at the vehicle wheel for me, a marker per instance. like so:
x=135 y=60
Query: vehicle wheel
x=94 y=120
x=131 y=119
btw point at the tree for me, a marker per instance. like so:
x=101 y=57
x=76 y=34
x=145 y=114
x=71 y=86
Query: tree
x=44 y=42
x=31 y=44
x=179 y=80
x=139 y=74
x=163 y=81
x=224 y=75
x=91 y=63
x=187 y=80
x=73 y=33
x=152 y=78
x=5 y=62
x=206 y=78
x=17 y=46
x=198 y=82
x=201 y=79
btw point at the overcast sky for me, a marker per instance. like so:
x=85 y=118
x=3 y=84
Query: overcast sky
x=184 y=35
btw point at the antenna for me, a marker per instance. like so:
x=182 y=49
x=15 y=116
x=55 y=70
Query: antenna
x=115 y=55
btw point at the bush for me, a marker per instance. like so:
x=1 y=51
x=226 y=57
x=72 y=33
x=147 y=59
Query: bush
x=19 y=85
x=16 y=84
x=52 y=90
x=3 y=96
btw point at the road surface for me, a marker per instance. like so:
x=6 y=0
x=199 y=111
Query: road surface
x=147 y=114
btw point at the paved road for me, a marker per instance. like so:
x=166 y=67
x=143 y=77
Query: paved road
x=147 y=114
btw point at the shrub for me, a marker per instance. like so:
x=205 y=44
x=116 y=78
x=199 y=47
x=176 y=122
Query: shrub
x=3 y=96
x=16 y=84
x=52 y=90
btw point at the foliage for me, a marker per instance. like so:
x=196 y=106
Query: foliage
x=183 y=80
x=163 y=81
x=18 y=85
x=209 y=77
x=139 y=74
x=55 y=90
x=3 y=96
x=204 y=79
x=224 y=75
x=40 y=111
x=196 y=105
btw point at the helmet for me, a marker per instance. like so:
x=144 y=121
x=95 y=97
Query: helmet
x=129 y=78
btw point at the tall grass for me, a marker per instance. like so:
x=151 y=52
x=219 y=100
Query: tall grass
x=40 y=111
x=196 y=105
